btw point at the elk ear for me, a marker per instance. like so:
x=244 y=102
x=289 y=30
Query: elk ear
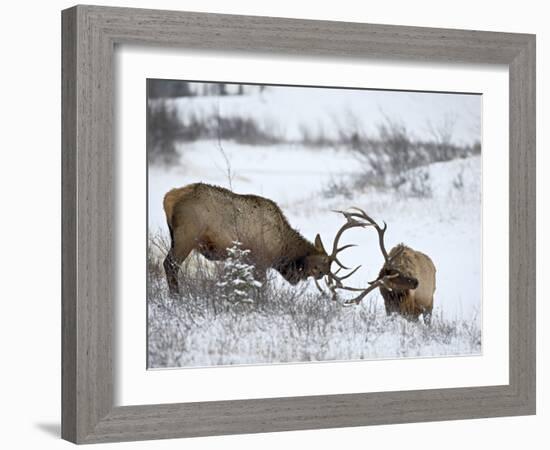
x=319 y=244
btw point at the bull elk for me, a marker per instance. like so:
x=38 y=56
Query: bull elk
x=209 y=219
x=406 y=280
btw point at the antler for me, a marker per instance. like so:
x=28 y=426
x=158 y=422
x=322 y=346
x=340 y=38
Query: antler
x=364 y=292
x=380 y=230
x=332 y=281
x=350 y=223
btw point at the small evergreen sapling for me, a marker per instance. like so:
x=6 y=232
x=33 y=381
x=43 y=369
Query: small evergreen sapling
x=237 y=282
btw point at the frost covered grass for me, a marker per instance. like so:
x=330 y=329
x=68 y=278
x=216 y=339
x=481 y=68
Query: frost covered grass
x=283 y=324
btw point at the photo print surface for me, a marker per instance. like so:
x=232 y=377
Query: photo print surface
x=293 y=224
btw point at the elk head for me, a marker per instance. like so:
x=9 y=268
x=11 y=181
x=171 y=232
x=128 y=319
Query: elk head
x=317 y=262
x=314 y=262
x=390 y=277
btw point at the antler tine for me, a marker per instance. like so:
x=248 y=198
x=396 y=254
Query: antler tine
x=332 y=282
x=362 y=295
x=380 y=230
x=337 y=261
x=331 y=287
x=345 y=247
x=338 y=280
x=318 y=286
x=350 y=223
x=351 y=273
x=373 y=285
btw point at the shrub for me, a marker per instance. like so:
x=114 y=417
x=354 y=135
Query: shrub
x=163 y=126
x=394 y=159
x=414 y=183
x=337 y=188
x=237 y=283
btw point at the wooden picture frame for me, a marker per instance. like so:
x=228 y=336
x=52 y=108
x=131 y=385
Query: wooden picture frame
x=90 y=34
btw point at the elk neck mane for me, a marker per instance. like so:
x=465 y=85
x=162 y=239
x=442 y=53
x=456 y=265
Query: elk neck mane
x=297 y=244
x=403 y=259
x=395 y=296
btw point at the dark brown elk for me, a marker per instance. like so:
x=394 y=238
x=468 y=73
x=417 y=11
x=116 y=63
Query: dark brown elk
x=406 y=280
x=210 y=219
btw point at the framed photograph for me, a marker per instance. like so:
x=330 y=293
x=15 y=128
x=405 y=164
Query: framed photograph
x=268 y=222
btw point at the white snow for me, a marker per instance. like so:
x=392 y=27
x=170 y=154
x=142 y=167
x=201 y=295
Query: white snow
x=446 y=226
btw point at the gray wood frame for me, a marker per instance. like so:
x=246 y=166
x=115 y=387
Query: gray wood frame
x=89 y=37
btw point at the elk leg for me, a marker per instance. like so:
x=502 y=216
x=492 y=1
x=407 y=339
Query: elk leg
x=390 y=302
x=428 y=316
x=181 y=248
x=260 y=274
x=171 y=268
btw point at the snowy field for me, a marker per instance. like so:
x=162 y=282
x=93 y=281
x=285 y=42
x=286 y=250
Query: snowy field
x=301 y=325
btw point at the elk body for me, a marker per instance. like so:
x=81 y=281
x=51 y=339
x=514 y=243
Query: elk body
x=406 y=280
x=209 y=219
x=409 y=284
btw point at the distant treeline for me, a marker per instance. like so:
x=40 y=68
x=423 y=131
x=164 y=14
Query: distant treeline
x=176 y=88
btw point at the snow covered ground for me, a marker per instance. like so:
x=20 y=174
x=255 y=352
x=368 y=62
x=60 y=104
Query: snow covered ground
x=445 y=225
